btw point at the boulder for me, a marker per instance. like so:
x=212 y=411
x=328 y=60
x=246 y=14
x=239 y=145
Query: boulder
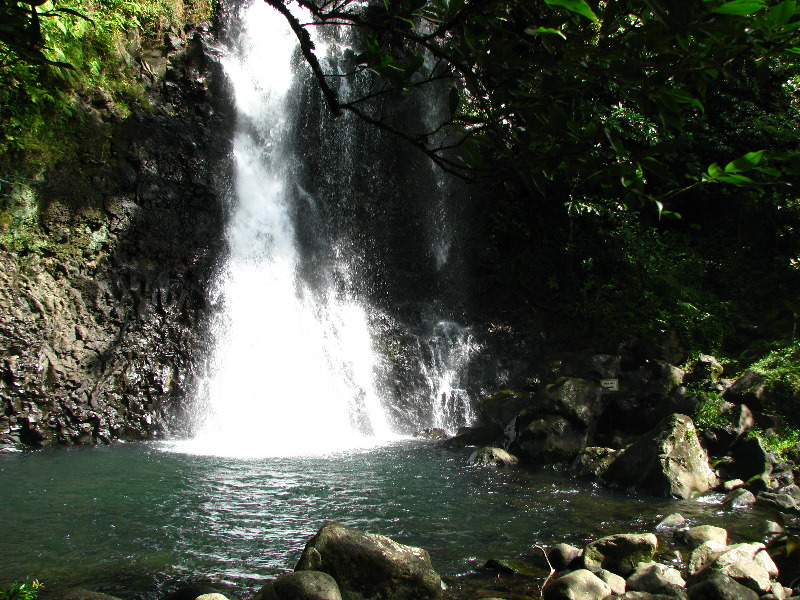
x=189 y=592
x=749 y=389
x=705 y=554
x=612 y=580
x=720 y=587
x=749 y=564
x=550 y=438
x=782 y=501
x=695 y=536
x=370 y=565
x=578 y=585
x=302 y=585
x=84 y=594
x=562 y=556
x=502 y=408
x=668 y=461
x=750 y=459
x=648 y=596
x=432 y=433
x=620 y=553
x=578 y=400
x=656 y=579
x=492 y=456
x=592 y=462
x=706 y=367
x=740 y=498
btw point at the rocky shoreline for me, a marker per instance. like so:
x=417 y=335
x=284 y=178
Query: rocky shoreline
x=673 y=561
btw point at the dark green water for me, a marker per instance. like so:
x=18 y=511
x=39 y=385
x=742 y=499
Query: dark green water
x=134 y=519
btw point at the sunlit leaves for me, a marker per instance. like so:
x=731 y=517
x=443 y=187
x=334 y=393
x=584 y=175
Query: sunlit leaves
x=576 y=6
x=740 y=7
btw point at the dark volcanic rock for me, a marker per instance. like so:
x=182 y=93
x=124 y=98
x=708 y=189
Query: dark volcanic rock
x=100 y=328
x=668 y=461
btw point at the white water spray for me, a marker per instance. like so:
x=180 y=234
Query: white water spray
x=292 y=372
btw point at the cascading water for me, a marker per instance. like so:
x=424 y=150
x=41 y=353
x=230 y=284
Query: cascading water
x=292 y=372
x=446 y=353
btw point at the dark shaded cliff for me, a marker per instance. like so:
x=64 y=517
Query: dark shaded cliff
x=103 y=295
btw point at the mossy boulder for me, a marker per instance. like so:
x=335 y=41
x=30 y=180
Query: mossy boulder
x=366 y=565
x=620 y=553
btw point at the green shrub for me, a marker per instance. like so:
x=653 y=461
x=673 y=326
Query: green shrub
x=21 y=591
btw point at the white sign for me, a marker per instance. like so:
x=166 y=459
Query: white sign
x=610 y=384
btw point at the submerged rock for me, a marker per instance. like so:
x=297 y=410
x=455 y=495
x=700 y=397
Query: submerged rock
x=371 y=566
x=668 y=461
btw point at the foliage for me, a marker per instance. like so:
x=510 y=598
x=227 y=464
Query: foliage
x=781 y=365
x=713 y=412
x=569 y=100
x=21 y=591
x=55 y=53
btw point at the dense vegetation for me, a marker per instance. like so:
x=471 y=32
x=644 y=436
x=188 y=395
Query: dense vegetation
x=647 y=151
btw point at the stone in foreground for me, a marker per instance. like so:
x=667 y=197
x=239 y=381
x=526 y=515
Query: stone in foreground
x=367 y=565
x=578 y=585
x=668 y=461
x=620 y=553
x=302 y=585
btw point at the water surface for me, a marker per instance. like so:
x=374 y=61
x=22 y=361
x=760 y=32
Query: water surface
x=133 y=519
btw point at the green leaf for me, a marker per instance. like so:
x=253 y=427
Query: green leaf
x=780 y=14
x=548 y=30
x=715 y=170
x=740 y=7
x=455 y=5
x=744 y=163
x=735 y=179
x=577 y=6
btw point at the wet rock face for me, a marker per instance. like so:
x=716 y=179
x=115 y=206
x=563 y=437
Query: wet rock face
x=99 y=329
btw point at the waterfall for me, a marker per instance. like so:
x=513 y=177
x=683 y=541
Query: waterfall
x=294 y=369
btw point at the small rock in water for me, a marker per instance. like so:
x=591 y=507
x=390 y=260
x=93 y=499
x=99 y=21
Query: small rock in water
x=492 y=456
x=671 y=521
